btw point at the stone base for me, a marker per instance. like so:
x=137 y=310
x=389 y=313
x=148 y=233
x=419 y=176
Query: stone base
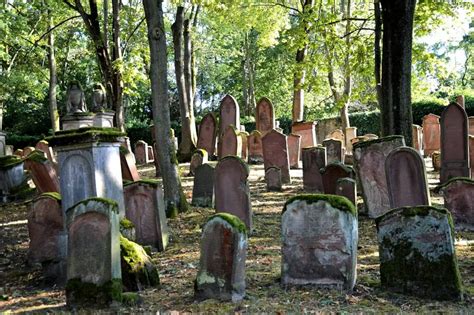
x=105 y=119
x=77 y=121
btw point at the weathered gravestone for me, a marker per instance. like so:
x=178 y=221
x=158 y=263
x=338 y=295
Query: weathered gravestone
x=471 y=125
x=431 y=134
x=231 y=189
x=93 y=253
x=255 y=152
x=273 y=179
x=454 y=143
x=199 y=158
x=460 y=101
x=406 y=178
x=151 y=154
x=11 y=175
x=307 y=131
x=294 y=150
x=351 y=133
x=265 y=118
x=334 y=150
x=27 y=151
x=207 y=134
x=221 y=272
x=314 y=158
x=436 y=160
x=230 y=143
x=42 y=172
x=9 y=149
x=43 y=146
x=229 y=114
x=416 y=250
x=458 y=196
x=127 y=164
x=18 y=152
x=331 y=173
x=145 y=208
x=275 y=153
x=48 y=237
x=347 y=187
x=245 y=148
x=418 y=139
x=89 y=165
x=141 y=152
x=319 y=234
x=471 y=154
x=369 y=164
x=203 y=187
x=338 y=135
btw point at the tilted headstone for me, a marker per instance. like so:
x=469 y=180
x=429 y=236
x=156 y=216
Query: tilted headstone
x=307 y=131
x=141 y=152
x=230 y=143
x=273 y=179
x=347 y=187
x=127 y=164
x=255 y=146
x=369 y=164
x=93 y=252
x=42 y=172
x=207 y=134
x=265 y=118
x=231 y=189
x=199 y=158
x=43 y=145
x=145 y=208
x=229 y=114
x=319 y=234
x=314 y=158
x=416 y=252
x=203 y=187
x=245 y=148
x=431 y=134
x=458 y=196
x=418 y=139
x=454 y=143
x=294 y=150
x=334 y=150
x=275 y=153
x=89 y=165
x=332 y=172
x=221 y=274
x=48 y=237
x=406 y=178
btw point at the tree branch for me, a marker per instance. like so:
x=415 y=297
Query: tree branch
x=125 y=45
x=55 y=27
x=70 y=5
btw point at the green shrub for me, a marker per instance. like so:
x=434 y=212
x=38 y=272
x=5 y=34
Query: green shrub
x=21 y=141
x=367 y=122
x=425 y=107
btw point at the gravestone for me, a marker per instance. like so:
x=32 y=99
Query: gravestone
x=347 y=187
x=43 y=146
x=331 y=173
x=8 y=149
x=89 y=165
x=275 y=153
x=93 y=252
x=436 y=160
x=334 y=150
x=141 y=152
x=458 y=196
x=145 y=208
x=48 y=237
x=151 y=154
x=416 y=252
x=351 y=133
x=27 y=151
x=255 y=146
x=265 y=118
x=229 y=114
x=406 y=178
x=471 y=154
x=230 y=143
x=199 y=158
x=231 y=189
x=294 y=150
x=42 y=172
x=18 y=152
x=418 y=139
x=338 y=135
x=221 y=274
x=369 y=164
x=207 y=134
x=127 y=164
x=245 y=148
x=11 y=175
x=319 y=234
x=3 y=145
x=454 y=143
x=431 y=134
x=460 y=101
x=203 y=187
x=471 y=125
x=307 y=131
x=314 y=158
x=273 y=179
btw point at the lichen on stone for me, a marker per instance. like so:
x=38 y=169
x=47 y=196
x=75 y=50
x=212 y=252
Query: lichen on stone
x=366 y=143
x=52 y=195
x=107 y=201
x=233 y=220
x=338 y=202
x=146 y=181
x=36 y=156
x=126 y=224
x=85 y=293
x=86 y=134
x=9 y=161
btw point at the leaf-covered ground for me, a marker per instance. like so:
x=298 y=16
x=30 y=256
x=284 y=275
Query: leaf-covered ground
x=22 y=288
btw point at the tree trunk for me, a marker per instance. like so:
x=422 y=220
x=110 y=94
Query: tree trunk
x=117 y=75
x=174 y=196
x=396 y=113
x=377 y=53
x=53 y=79
x=347 y=71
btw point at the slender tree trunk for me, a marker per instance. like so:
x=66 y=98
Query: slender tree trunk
x=117 y=75
x=106 y=24
x=174 y=197
x=396 y=113
x=193 y=59
x=347 y=71
x=53 y=79
x=377 y=51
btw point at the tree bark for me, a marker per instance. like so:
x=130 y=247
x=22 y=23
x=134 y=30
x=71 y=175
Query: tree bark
x=396 y=113
x=377 y=51
x=53 y=79
x=174 y=197
x=117 y=82
x=347 y=70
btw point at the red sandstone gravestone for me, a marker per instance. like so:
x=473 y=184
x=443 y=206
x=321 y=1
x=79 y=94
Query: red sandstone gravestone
x=273 y=179
x=127 y=163
x=151 y=155
x=207 y=134
x=199 y=158
x=44 y=146
x=275 y=153
x=245 y=149
x=307 y=131
x=255 y=152
x=314 y=158
x=460 y=101
x=229 y=114
x=42 y=172
x=471 y=125
x=471 y=154
x=141 y=152
x=230 y=143
x=294 y=150
x=418 y=139
x=265 y=118
x=458 y=196
x=347 y=187
x=331 y=173
x=431 y=134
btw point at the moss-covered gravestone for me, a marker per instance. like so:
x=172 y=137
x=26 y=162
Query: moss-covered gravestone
x=12 y=175
x=416 y=250
x=42 y=172
x=221 y=273
x=203 y=187
x=319 y=235
x=145 y=208
x=314 y=158
x=93 y=255
x=458 y=196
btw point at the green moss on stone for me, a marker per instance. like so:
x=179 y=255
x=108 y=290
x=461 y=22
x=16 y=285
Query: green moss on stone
x=338 y=202
x=87 y=134
x=233 y=220
x=126 y=224
x=363 y=144
x=52 y=195
x=9 y=161
x=36 y=156
x=123 y=150
x=107 y=201
x=85 y=293
x=130 y=298
x=466 y=180
x=147 y=181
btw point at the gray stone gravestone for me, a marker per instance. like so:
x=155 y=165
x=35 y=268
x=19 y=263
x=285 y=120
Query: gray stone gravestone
x=314 y=158
x=11 y=175
x=273 y=179
x=203 y=187
x=347 y=187
x=334 y=150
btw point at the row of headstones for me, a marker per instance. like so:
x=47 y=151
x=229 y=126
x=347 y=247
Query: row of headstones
x=319 y=248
